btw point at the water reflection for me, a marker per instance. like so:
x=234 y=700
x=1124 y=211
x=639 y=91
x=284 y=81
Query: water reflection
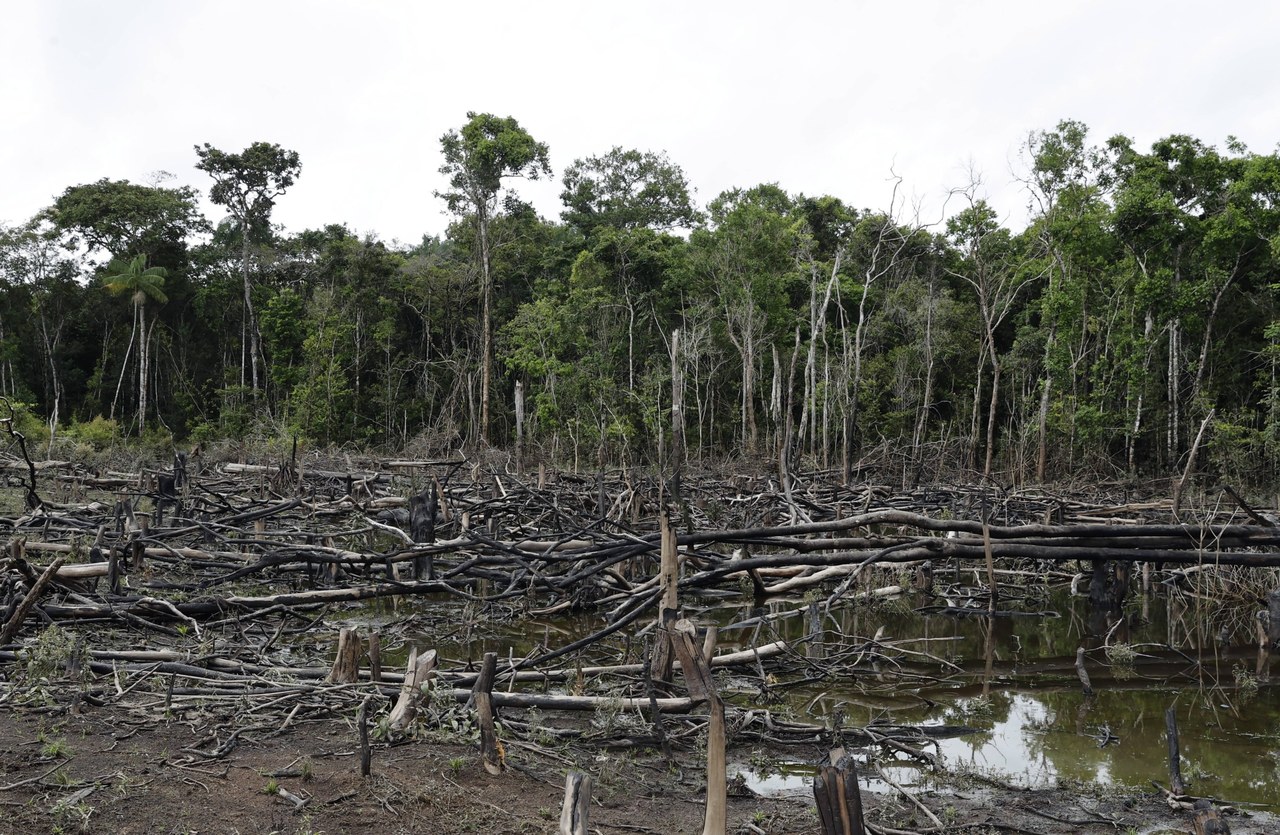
x=1037 y=728
x=1012 y=678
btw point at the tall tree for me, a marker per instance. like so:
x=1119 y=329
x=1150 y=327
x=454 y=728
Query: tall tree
x=627 y=190
x=248 y=184
x=477 y=159
x=140 y=282
x=992 y=264
x=748 y=259
x=126 y=219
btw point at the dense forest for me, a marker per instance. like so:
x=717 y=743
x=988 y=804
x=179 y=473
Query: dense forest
x=1134 y=322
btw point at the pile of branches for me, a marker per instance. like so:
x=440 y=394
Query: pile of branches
x=217 y=569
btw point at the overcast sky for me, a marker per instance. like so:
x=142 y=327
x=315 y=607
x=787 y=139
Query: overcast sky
x=819 y=97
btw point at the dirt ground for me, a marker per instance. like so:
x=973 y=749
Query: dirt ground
x=118 y=770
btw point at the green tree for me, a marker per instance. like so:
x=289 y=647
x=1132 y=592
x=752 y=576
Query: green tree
x=487 y=150
x=747 y=261
x=627 y=190
x=140 y=282
x=247 y=184
x=126 y=219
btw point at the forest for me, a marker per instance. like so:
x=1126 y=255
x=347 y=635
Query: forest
x=1132 y=327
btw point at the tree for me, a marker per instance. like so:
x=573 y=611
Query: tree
x=748 y=259
x=126 y=219
x=991 y=264
x=1070 y=233
x=477 y=159
x=248 y=184
x=627 y=190
x=140 y=282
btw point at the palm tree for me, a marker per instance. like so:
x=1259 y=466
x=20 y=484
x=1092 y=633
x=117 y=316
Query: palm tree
x=141 y=282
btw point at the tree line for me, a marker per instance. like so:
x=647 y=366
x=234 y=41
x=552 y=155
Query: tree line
x=1131 y=324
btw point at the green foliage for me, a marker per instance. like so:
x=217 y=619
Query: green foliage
x=626 y=190
x=133 y=278
x=26 y=422
x=126 y=219
x=249 y=182
x=99 y=433
x=1141 y=294
x=487 y=150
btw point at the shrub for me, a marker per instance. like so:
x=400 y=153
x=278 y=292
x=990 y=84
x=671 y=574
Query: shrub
x=98 y=433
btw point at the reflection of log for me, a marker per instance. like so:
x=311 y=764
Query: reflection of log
x=1175 y=759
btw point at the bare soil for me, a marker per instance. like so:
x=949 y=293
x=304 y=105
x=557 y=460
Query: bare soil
x=119 y=770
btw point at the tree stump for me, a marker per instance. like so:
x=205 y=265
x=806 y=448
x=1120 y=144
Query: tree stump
x=835 y=788
x=346 y=666
x=420 y=670
x=577 y=803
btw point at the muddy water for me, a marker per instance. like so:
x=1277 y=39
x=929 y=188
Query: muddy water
x=1013 y=679
x=1020 y=689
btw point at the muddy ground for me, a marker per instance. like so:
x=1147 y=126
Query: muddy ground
x=113 y=769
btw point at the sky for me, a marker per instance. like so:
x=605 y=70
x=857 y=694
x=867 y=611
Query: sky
x=818 y=97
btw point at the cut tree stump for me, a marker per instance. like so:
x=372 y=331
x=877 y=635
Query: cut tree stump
x=835 y=788
x=577 y=803
x=420 y=670
x=346 y=666
x=490 y=749
x=1207 y=821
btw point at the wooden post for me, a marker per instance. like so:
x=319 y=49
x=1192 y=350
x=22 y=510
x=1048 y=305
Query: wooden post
x=709 y=642
x=697 y=672
x=346 y=664
x=490 y=750
x=994 y=592
x=1176 y=784
x=139 y=547
x=668 y=608
x=113 y=570
x=835 y=788
x=717 y=788
x=375 y=656
x=813 y=649
x=924 y=577
x=602 y=498
x=677 y=424
x=577 y=803
x=422 y=529
x=420 y=670
x=670 y=568
x=362 y=727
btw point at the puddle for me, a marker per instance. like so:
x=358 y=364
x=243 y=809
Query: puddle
x=1013 y=679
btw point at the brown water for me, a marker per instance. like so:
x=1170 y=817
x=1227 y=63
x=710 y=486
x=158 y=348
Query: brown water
x=1016 y=684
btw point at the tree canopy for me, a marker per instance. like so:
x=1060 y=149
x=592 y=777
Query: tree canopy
x=1137 y=311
